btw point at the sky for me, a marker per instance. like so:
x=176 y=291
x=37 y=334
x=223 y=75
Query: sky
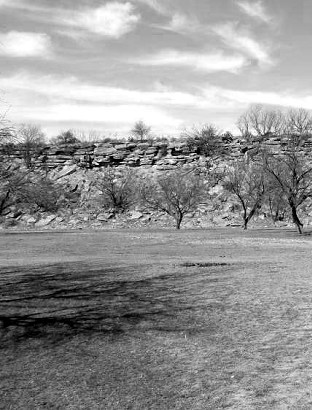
x=174 y=64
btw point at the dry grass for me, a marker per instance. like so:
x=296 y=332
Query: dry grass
x=156 y=320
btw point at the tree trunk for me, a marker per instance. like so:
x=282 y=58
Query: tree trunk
x=179 y=218
x=248 y=217
x=296 y=219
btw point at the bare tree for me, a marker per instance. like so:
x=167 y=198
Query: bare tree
x=298 y=122
x=275 y=200
x=141 y=130
x=118 y=187
x=259 y=121
x=30 y=139
x=293 y=173
x=246 y=181
x=177 y=193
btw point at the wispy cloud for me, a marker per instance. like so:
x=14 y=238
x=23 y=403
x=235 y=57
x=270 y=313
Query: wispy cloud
x=77 y=113
x=64 y=89
x=244 y=42
x=209 y=62
x=238 y=98
x=157 y=5
x=183 y=24
x=9 y=3
x=114 y=19
x=55 y=99
x=255 y=9
x=24 y=44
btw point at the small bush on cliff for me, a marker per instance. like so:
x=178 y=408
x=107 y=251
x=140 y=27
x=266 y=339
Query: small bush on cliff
x=177 y=193
x=65 y=138
x=118 y=187
x=205 y=141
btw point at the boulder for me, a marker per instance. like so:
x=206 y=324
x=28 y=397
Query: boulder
x=104 y=151
x=104 y=216
x=134 y=215
x=29 y=220
x=45 y=221
x=65 y=171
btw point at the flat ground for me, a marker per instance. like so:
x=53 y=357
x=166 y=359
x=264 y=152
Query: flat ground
x=196 y=319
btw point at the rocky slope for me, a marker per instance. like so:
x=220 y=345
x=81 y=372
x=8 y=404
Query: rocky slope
x=75 y=166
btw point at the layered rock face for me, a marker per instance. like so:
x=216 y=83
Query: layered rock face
x=162 y=155
x=75 y=166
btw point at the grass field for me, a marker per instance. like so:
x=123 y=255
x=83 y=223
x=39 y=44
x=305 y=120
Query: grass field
x=196 y=319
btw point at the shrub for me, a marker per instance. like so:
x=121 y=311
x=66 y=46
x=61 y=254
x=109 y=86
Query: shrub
x=46 y=194
x=205 y=141
x=65 y=138
x=118 y=187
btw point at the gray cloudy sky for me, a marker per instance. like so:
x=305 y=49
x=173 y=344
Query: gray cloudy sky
x=172 y=63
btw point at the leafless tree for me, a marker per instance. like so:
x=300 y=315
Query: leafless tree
x=259 y=121
x=141 y=130
x=298 y=122
x=245 y=180
x=30 y=139
x=293 y=173
x=275 y=200
x=118 y=187
x=176 y=193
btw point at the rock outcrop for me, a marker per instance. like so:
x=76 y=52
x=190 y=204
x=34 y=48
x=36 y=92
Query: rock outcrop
x=161 y=154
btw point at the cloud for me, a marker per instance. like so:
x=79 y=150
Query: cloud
x=156 y=5
x=179 y=22
x=64 y=89
x=54 y=100
x=24 y=44
x=120 y=114
x=11 y=3
x=243 y=42
x=229 y=98
x=111 y=20
x=254 y=9
x=213 y=62
x=183 y=24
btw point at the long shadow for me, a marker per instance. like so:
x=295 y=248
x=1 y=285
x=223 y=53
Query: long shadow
x=58 y=301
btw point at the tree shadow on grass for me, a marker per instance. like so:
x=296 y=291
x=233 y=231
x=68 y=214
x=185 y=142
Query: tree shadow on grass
x=58 y=301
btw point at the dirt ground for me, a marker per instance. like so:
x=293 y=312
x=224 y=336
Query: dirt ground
x=156 y=319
